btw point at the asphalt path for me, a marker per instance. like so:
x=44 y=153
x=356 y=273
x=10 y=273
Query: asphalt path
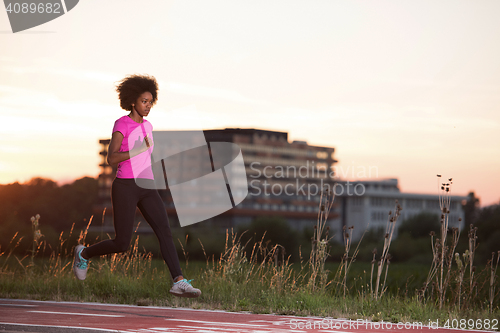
x=63 y=317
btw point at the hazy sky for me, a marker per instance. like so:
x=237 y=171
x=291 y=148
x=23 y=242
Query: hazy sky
x=410 y=88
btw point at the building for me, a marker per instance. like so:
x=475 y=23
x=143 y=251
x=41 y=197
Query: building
x=284 y=179
x=104 y=180
x=366 y=205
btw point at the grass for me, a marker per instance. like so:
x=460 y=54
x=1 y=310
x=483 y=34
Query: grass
x=233 y=282
x=231 y=292
x=260 y=279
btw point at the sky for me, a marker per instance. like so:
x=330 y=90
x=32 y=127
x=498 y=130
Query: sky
x=406 y=89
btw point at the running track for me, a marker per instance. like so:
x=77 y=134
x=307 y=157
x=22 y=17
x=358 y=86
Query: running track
x=39 y=316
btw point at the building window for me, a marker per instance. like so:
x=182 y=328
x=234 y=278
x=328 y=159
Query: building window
x=415 y=203
x=375 y=201
x=379 y=216
x=356 y=201
x=322 y=154
x=321 y=167
x=432 y=204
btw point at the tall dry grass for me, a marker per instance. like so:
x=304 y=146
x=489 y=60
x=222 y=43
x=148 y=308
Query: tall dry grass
x=261 y=274
x=385 y=258
x=443 y=249
x=320 y=243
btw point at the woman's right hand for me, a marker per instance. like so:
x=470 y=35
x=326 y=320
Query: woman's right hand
x=147 y=141
x=145 y=144
x=116 y=156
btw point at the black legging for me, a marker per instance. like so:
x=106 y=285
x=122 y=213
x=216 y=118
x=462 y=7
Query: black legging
x=126 y=196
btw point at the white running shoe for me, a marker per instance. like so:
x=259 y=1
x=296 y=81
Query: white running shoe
x=80 y=264
x=183 y=288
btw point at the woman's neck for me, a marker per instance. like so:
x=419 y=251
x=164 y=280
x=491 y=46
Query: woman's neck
x=136 y=117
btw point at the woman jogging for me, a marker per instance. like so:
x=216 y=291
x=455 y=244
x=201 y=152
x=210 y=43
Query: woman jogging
x=137 y=94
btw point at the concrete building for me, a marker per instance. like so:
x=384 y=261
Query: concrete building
x=285 y=179
x=366 y=205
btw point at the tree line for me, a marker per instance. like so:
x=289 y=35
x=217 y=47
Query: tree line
x=59 y=207
x=65 y=206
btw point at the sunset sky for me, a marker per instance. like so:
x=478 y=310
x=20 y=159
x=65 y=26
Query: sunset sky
x=411 y=88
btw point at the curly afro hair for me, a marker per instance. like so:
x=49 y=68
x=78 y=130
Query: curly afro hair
x=130 y=88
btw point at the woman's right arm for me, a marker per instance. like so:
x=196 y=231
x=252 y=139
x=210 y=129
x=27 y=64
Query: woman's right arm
x=116 y=156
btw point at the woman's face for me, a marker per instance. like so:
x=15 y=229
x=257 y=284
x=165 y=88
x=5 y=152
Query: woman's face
x=144 y=103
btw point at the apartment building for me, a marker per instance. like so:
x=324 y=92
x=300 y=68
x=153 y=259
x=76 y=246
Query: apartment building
x=284 y=178
x=368 y=203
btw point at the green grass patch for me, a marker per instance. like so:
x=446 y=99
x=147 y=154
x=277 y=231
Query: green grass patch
x=257 y=279
x=238 y=288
